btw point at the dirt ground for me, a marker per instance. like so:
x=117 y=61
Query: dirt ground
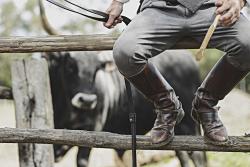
x=235 y=113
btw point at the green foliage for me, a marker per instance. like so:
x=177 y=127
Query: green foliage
x=9 y=18
x=208 y=61
x=4 y=68
x=5 y=62
x=11 y=21
x=25 y=20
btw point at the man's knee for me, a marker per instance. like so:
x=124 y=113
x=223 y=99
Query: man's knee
x=239 y=56
x=122 y=52
x=128 y=57
x=239 y=48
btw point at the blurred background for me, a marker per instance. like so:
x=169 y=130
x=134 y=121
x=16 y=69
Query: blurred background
x=22 y=18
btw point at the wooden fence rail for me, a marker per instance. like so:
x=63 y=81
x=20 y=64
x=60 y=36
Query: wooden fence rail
x=111 y=140
x=68 y=43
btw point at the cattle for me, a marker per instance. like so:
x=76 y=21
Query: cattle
x=88 y=93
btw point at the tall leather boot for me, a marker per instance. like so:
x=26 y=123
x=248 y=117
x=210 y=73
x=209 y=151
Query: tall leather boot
x=167 y=106
x=218 y=83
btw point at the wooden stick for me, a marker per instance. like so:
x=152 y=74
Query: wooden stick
x=207 y=38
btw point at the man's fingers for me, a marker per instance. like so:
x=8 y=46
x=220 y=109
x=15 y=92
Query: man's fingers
x=228 y=15
x=114 y=12
x=116 y=22
x=233 y=21
x=223 y=8
x=229 y=11
x=110 y=21
x=120 y=19
x=218 y=3
x=230 y=21
x=113 y=21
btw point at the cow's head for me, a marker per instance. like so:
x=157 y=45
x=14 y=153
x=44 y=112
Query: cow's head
x=92 y=67
x=90 y=80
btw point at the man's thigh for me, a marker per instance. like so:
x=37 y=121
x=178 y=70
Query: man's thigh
x=156 y=27
x=151 y=32
x=235 y=41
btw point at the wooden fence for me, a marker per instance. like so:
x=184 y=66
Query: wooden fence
x=34 y=113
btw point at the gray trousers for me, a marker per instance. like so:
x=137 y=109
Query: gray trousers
x=160 y=25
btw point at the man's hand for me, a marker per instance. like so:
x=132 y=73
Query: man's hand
x=229 y=11
x=114 y=12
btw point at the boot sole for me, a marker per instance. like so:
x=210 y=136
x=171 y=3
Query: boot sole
x=180 y=116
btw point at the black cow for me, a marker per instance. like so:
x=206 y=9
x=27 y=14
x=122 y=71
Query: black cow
x=89 y=93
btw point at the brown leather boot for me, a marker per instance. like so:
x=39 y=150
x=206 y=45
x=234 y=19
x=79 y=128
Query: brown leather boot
x=167 y=106
x=218 y=83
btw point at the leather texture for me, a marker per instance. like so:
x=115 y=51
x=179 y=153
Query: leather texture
x=167 y=106
x=218 y=83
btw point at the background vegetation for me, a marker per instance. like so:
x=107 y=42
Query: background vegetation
x=24 y=20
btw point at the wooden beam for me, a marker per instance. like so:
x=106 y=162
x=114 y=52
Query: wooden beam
x=69 y=43
x=33 y=104
x=111 y=140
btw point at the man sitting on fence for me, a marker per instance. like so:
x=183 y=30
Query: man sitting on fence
x=159 y=26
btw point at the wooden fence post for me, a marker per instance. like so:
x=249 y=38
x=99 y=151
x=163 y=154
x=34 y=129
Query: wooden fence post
x=33 y=103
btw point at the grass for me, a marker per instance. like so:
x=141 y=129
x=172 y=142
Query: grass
x=216 y=159
x=228 y=159
x=166 y=160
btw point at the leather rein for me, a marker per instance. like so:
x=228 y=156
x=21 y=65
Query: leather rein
x=100 y=16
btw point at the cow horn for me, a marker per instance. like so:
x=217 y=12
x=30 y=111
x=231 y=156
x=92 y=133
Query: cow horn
x=45 y=23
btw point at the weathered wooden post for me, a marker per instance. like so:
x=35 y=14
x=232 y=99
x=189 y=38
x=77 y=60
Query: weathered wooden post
x=33 y=103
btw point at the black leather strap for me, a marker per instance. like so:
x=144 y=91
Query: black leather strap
x=100 y=16
x=139 y=8
x=132 y=119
